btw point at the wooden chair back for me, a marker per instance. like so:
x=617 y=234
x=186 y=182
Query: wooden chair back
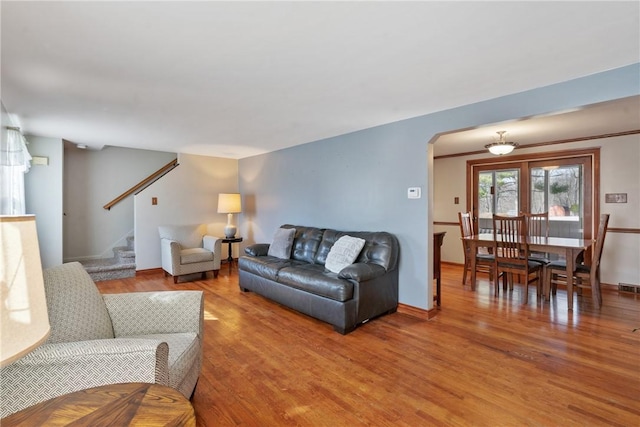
x=510 y=237
x=537 y=224
x=466 y=224
x=466 y=230
x=597 y=252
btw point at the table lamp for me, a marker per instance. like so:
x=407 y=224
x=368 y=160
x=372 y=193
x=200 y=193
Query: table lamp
x=23 y=313
x=229 y=203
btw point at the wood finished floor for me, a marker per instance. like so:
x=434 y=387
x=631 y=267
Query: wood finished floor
x=482 y=361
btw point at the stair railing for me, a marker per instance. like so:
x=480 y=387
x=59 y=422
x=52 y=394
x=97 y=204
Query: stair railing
x=144 y=183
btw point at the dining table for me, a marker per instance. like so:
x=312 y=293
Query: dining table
x=568 y=247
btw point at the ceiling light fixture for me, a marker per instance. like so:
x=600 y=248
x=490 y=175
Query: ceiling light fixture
x=502 y=146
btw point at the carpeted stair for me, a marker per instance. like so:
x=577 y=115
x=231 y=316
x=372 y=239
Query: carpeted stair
x=122 y=265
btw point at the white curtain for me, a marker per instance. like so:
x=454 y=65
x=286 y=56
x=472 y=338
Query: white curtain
x=15 y=161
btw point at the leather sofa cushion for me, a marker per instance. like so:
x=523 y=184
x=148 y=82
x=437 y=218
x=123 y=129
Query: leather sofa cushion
x=305 y=242
x=380 y=247
x=193 y=255
x=315 y=279
x=266 y=266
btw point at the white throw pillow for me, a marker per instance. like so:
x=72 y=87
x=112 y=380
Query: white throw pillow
x=282 y=243
x=343 y=253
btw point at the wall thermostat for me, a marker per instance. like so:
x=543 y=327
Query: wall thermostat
x=413 y=192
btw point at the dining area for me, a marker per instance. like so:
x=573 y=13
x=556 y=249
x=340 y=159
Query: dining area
x=517 y=250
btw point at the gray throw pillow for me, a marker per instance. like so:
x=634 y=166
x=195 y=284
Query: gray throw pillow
x=343 y=253
x=282 y=243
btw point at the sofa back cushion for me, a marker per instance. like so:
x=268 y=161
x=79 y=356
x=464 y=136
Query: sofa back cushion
x=380 y=247
x=312 y=245
x=305 y=242
x=76 y=309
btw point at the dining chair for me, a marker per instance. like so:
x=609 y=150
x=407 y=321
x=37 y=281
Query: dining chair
x=584 y=276
x=484 y=262
x=538 y=227
x=512 y=252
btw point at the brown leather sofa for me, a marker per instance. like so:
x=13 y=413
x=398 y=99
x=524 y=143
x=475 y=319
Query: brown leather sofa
x=361 y=291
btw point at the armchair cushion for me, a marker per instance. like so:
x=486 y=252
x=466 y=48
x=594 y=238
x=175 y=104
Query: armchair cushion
x=67 y=286
x=189 y=256
x=189 y=236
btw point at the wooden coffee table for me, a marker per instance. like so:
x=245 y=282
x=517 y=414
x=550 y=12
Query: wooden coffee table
x=131 y=404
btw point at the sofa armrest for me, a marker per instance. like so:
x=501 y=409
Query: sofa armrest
x=362 y=271
x=165 y=312
x=258 y=249
x=52 y=370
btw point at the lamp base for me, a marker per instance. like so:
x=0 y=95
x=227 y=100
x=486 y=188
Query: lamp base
x=230 y=231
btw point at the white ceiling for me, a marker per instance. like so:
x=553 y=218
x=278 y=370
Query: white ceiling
x=235 y=79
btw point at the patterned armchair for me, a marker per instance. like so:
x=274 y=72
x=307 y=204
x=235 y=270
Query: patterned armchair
x=186 y=249
x=151 y=337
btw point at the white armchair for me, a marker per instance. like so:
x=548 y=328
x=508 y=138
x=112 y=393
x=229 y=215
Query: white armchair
x=186 y=249
x=151 y=337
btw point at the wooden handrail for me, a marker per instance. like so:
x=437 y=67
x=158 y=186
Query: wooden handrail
x=143 y=184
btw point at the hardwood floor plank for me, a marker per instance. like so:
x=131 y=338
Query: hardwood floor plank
x=482 y=361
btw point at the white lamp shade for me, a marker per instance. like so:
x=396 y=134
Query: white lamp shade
x=24 y=317
x=500 y=149
x=229 y=203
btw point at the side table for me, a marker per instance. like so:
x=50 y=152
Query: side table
x=130 y=404
x=231 y=241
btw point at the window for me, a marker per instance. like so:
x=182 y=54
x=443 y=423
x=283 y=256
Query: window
x=560 y=183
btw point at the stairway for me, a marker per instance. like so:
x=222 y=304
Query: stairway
x=122 y=265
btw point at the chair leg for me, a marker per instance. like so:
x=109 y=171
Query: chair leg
x=596 y=291
x=215 y=274
x=464 y=273
x=175 y=279
x=547 y=284
x=204 y=275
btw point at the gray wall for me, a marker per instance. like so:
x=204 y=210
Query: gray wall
x=43 y=197
x=92 y=179
x=359 y=181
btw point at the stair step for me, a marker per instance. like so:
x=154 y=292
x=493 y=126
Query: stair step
x=122 y=265
x=107 y=269
x=123 y=252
